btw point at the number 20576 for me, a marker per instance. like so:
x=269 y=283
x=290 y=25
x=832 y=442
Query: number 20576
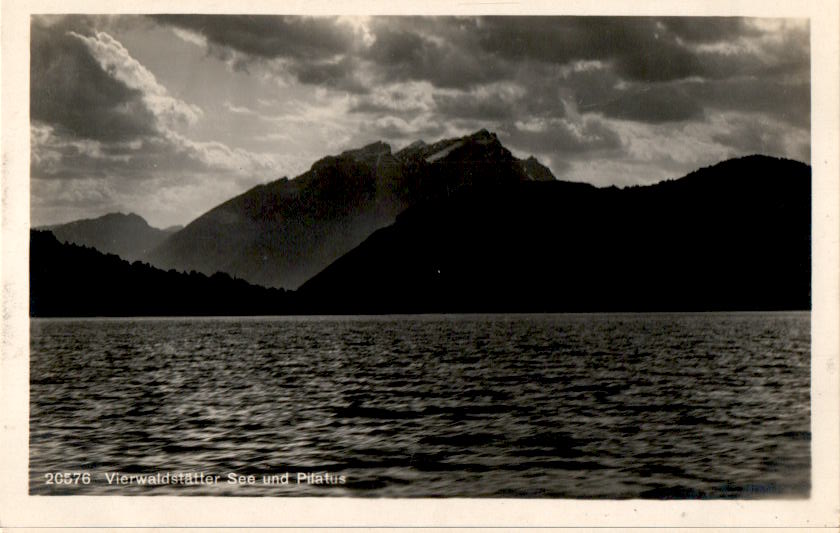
x=67 y=478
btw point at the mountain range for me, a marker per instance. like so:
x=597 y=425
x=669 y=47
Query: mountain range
x=463 y=225
x=282 y=233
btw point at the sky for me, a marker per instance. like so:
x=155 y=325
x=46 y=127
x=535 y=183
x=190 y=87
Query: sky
x=168 y=116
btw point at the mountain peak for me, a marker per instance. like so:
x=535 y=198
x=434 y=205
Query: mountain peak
x=133 y=217
x=108 y=218
x=483 y=134
x=373 y=149
x=125 y=234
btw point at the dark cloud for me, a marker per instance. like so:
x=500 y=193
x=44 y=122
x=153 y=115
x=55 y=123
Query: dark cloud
x=649 y=62
x=483 y=107
x=788 y=102
x=467 y=52
x=656 y=103
x=787 y=57
x=396 y=47
x=70 y=90
x=401 y=53
x=270 y=36
x=316 y=50
x=337 y=75
x=590 y=88
x=642 y=49
x=563 y=137
x=708 y=29
x=437 y=49
x=639 y=48
x=775 y=80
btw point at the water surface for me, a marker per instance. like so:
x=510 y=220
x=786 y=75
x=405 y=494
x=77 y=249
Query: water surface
x=709 y=405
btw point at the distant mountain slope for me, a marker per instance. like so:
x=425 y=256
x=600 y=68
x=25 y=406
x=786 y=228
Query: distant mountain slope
x=536 y=171
x=282 y=233
x=735 y=236
x=71 y=280
x=129 y=236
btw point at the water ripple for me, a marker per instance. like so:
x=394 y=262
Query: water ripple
x=576 y=406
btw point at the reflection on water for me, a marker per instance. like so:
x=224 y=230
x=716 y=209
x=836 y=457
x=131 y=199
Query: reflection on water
x=573 y=406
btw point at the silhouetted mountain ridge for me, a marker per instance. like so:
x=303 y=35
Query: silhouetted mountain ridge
x=734 y=236
x=127 y=235
x=71 y=280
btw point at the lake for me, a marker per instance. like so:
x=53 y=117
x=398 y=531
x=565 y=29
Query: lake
x=703 y=405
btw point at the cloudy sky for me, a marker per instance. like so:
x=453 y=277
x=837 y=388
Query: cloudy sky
x=167 y=116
